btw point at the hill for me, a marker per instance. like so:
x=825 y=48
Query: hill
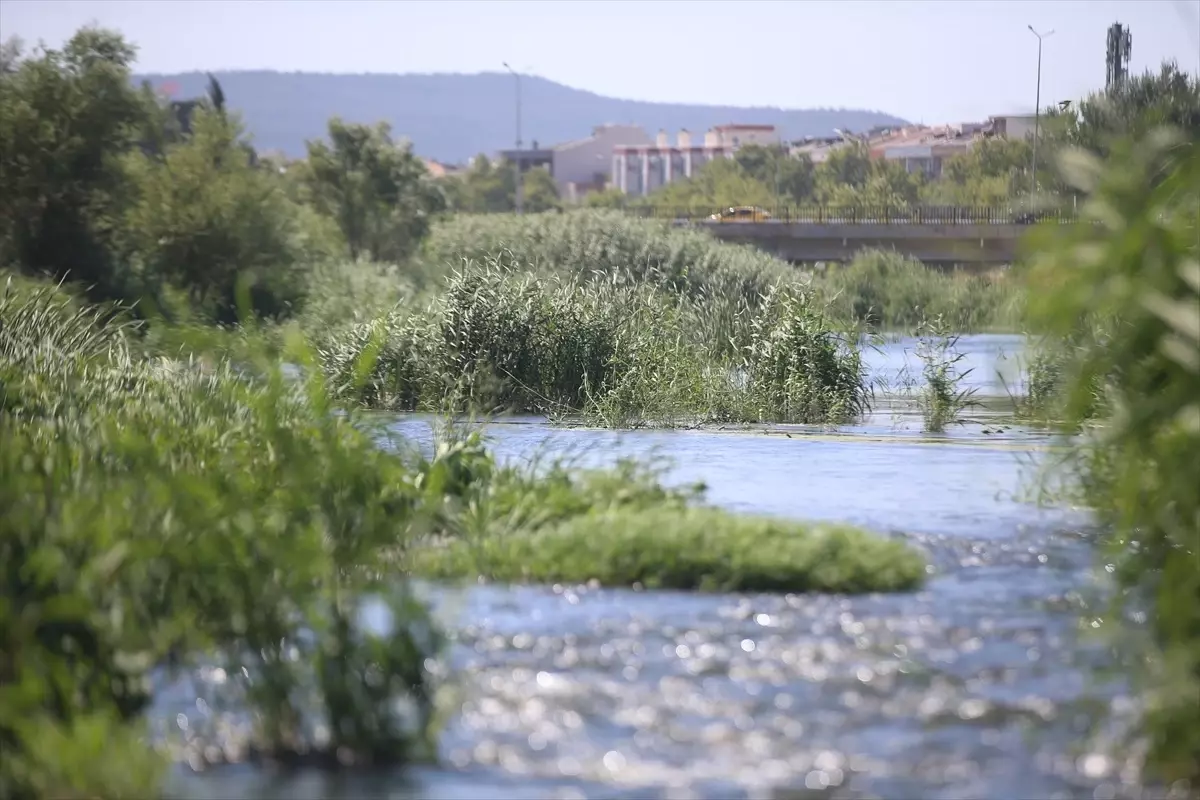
x=453 y=117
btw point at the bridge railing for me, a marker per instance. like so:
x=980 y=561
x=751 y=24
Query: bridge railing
x=860 y=215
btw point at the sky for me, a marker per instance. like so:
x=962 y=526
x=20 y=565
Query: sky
x=931 y=61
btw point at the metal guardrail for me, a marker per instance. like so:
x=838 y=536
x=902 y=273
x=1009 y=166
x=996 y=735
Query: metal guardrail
x=835 y=215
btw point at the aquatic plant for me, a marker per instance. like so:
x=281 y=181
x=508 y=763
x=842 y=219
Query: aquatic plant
x=942 y=401
x=610 y=246
x=1120 y=296
x=501 y=339
x=662 y=547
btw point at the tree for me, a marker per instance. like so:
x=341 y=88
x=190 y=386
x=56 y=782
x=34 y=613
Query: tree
x=851 y=178
x=490 y=187
x=1132 y=107
x=717 y=184
x=540 y=190
x=378 y=192
x=66 y=116
x=792 y=179
x=992 y=172
x=204 y=216
x=609 y=198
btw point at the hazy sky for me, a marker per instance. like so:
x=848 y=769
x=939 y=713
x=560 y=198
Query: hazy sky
x=928 y=61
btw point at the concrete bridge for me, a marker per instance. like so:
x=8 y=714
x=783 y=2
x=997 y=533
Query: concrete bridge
x=945 y=236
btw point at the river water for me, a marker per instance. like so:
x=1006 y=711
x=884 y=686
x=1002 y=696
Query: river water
x=981 y=685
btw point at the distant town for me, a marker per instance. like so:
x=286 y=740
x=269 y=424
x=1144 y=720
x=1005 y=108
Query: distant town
x=628 y=159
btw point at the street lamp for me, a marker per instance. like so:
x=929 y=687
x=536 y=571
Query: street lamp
x=517 y=160
x=1037 y=109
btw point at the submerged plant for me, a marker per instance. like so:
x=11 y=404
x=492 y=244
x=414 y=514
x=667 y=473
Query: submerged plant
x=942 y=401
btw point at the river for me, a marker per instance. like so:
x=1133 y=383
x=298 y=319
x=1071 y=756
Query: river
x=980 y=685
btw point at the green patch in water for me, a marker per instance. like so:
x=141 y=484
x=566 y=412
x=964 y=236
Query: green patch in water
x=698 y=548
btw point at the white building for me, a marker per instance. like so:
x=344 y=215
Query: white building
x=584 y=164
x=1014 y=126
x=639 y=169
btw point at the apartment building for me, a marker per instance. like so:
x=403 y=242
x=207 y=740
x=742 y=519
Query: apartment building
x=639 y=169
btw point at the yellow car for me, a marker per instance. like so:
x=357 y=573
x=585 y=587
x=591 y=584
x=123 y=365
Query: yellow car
x=741 y=214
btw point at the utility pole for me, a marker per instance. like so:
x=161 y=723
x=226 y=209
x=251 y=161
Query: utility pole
x=1037 y=108
x=517 y=161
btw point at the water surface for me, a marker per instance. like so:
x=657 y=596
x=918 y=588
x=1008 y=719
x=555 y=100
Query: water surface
x=980 y=685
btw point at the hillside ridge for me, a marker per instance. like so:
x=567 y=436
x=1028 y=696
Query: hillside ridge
x=450 y=117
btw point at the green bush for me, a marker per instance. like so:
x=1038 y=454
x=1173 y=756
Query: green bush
x=500 y=338
x=610 y=245
x=887 y=291
x=1120 y=295
x=158 y=511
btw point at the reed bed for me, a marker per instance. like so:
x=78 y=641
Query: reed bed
x=504 y=339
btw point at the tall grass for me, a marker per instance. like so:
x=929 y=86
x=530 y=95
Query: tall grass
x=887 y=291
x=610 y=246
x=618 y=355
x=1120 y=297
x=157 y=510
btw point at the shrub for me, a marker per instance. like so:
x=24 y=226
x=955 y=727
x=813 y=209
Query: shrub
x=157 y=512
x=502 y=338
x=887 y=291
x=1121 y=295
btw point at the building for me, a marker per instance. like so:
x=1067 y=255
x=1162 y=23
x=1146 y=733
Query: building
x=925 y=148
x=639 y=169
x=582 y=165
x=437 y=169
x=817 y=149
x=1014 y=126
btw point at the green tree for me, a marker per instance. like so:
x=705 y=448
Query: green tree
x=490 y=187
x=1132 y=108
x=205 y=216
x=609 y=198
x=378 y=191
x=540 y=191
x=992 y=172
x=791 y=178
x=848 y=165
x=66 y=117
x=851 y=178
x=717 y=184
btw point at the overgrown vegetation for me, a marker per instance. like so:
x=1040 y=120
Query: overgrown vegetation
x=886 y=291
x=697 y=548
x=618 y=355
x=168 y=205
x=1119 y=302
x=942 y=400
x=159 y=512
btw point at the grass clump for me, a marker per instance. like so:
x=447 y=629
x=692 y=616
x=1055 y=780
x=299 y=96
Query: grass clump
x=501 y=338
x=942 y=401
x=887 y=291
x=612 y=246
x=665 y=547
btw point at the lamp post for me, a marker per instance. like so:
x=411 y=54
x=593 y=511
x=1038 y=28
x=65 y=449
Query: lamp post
x=517 y=161
x=1037 y=108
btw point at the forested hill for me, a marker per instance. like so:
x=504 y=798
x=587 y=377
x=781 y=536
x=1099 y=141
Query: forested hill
x=453 y=117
